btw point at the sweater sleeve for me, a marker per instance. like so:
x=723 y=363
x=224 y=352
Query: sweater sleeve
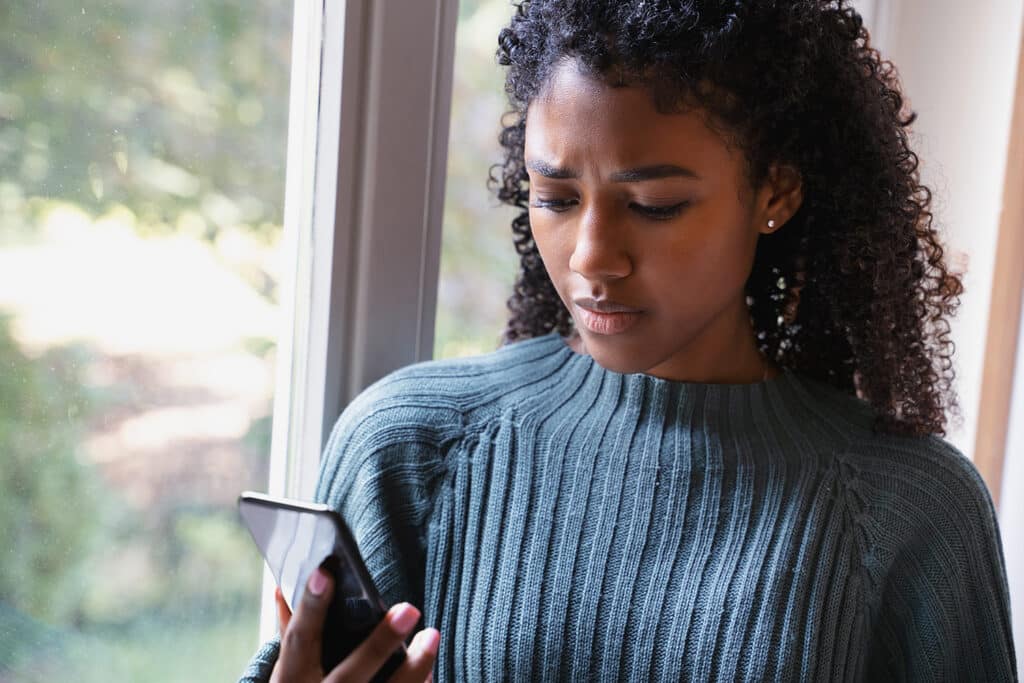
x=943 y=612
x=378 y=470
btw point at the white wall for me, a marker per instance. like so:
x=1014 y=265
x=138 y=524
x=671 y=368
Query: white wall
x=1011 y=514
x=958 y=62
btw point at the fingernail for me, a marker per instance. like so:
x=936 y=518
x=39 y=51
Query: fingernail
x=317 y=582
x=403 y=617
x=433 y=640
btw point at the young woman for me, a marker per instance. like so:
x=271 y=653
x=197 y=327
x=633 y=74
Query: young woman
x=710 y=448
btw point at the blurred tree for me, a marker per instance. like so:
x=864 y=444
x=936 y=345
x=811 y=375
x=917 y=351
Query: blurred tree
x=48 y=503
x=176 y=110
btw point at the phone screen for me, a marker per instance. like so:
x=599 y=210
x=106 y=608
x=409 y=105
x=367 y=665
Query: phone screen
x=293 y=542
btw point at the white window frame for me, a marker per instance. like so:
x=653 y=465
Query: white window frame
x=369 y=109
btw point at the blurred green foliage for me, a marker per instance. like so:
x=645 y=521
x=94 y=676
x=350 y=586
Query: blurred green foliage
x=153 y=649
x=478 y=261
x=175 y=110
x=89 y=583
x=48 y=498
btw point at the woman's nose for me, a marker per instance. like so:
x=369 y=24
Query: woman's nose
x=600 y=251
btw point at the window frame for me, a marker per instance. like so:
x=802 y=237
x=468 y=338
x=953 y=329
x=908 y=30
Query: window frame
x=369 y=107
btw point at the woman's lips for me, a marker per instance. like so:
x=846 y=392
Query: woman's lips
x=604 y=317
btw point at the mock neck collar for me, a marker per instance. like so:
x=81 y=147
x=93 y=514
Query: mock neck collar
x=787 y=399
x=646 y=379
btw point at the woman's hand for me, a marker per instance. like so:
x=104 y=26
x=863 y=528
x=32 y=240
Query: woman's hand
x=299 y=657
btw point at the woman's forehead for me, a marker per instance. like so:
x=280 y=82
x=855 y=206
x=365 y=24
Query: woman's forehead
x=581 y=116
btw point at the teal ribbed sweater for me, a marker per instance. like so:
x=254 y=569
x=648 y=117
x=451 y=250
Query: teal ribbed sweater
x=559 y=521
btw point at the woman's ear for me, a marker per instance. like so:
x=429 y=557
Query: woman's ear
x=780 y=198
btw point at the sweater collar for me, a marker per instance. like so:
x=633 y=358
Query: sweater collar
x=788 y=399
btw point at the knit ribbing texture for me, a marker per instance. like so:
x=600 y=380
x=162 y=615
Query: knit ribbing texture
x=562 y=522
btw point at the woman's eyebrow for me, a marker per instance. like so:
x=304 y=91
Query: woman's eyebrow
x=631 y=175
x=550 y=171
x=655 y=172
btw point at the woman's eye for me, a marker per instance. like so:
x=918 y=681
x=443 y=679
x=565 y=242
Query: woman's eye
x=653 y=212
x=556 y=205
x=660 y=212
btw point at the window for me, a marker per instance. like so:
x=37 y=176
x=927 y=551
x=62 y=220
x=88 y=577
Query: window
x=363 y=209
x=142 y=157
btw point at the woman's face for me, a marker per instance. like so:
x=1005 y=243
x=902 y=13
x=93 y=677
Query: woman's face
x=647 y=227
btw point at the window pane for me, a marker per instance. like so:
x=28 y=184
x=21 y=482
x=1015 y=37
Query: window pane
x=478 y=261
x=142 y=150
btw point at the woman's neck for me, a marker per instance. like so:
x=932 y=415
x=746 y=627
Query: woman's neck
x=743 y=363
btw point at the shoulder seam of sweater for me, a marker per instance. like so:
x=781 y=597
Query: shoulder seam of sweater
x=854 y=503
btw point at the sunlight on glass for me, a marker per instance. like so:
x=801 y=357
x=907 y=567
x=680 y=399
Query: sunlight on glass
x=142 y=153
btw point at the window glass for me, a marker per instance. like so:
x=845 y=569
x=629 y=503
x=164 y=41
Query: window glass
x=478 y=260
x=142 y=151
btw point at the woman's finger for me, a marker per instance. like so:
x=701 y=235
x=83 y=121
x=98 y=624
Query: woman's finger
x=302 y=640
x=284 y=615
x=370 y=655
x=420 y=658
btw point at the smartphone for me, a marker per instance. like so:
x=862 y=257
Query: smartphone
x=295 y=538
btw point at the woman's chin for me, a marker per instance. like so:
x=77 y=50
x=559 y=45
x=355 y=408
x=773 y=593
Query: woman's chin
x=619 y=360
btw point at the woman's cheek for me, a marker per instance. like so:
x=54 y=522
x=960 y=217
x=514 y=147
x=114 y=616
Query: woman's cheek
x=551 y=245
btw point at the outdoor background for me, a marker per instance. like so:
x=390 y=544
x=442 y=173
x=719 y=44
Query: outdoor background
x=142 y=150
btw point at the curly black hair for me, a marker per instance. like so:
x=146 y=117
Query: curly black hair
x=853 y=290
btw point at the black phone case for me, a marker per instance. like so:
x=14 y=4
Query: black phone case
x=348 y=623
x=356 y=608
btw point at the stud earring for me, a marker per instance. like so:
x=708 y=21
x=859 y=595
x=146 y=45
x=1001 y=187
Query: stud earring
x=771 y=224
